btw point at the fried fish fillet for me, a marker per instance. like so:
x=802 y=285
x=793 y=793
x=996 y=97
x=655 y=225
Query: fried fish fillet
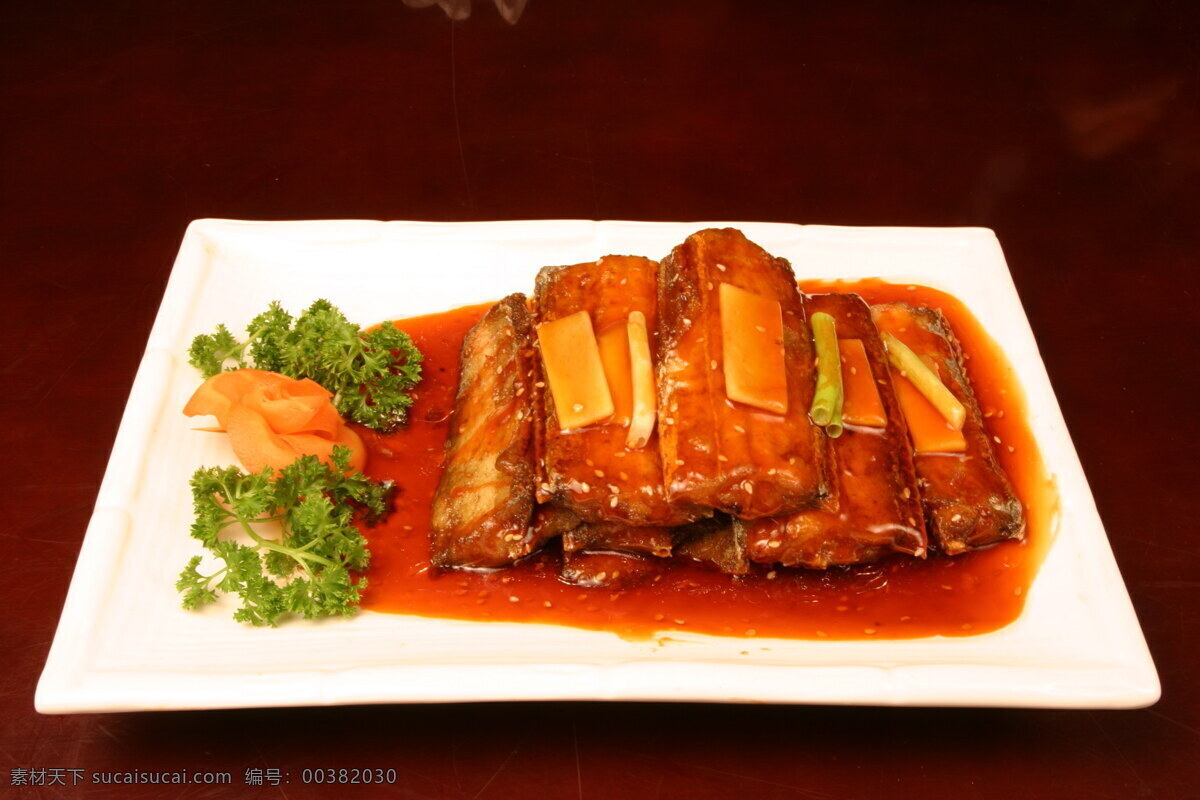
x=968 y=499
x=717 y=452
x=595 y=569
x=484 y=500
x=873 y=509
x=591 y=471
x=715 y=541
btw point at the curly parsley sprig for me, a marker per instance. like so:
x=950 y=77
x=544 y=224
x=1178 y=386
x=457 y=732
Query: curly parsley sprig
x=304 y=567
x=369 y=373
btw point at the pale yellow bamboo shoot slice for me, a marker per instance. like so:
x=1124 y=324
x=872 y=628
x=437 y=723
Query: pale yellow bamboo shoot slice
x=861 y=404
x=752 y=349
x=645 y=403
x=574 y=371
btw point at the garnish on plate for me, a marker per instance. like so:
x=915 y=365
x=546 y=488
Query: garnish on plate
x=369 y=372
x=296 y=544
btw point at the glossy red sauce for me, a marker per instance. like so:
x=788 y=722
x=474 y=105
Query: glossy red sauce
x=897 y=598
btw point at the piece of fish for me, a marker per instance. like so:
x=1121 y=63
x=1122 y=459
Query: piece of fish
x=716 y=452
x=715 y=541
x=873 y=509
x=968 y=499
x=621 y=538
x=596 y=569
x=484 y=501
x=591 y=471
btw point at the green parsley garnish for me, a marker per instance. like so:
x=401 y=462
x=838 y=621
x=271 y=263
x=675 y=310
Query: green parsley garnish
x=304 y=567
x=370 y=374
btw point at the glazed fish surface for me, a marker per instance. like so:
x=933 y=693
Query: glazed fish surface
x=592 y=471
x=968 y=499
x=484 y=501
x=718 y=453
x=873 y=509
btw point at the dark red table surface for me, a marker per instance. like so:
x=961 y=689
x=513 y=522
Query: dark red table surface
x=1073 y=131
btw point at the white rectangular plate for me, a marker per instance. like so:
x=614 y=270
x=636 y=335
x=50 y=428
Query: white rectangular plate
x=123 y=642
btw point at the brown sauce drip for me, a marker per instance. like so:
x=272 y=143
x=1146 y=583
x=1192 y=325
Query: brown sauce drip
x=897 y=598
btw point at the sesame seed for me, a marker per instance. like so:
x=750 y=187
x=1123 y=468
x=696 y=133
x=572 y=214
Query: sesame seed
x=947 y=588
x=599 y=473
x=854 y=370
x=713 y=364
x=721 y=267
x=669 y=420
x=408 y=527
x=547 y=604
x=1012 y=449
x=966 y=626
x=687 y=321
x=1017 y=591
x=710 y=285
x=956 y=518
x=623 y=476
x=679 y=462
x=905 y=618
x=996 y=439
x=760 y=329
x=612 y=502
x=869 y=631
x=739 y=429
x=540 y=384
x=577 y=407
x=583 y=487
x=771 y=575
x=659 y=617
x=722 y=458
x=513 y=599
x=822 y=634
x=772 y=471
x=679 y=622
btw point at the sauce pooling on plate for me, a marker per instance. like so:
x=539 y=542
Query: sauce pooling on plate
x=895 y=598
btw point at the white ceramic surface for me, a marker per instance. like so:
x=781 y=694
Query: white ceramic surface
x=123 y=643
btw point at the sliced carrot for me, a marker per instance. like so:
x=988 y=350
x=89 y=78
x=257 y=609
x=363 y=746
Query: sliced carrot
x=927 y=427
x=614 y=355
x=861 y=404
x=272 y=419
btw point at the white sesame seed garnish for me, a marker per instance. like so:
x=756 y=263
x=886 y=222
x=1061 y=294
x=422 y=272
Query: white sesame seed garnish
x=583 y=487
x=599 y=473
x=577 y=407
x=721 y=267
x=739 y=429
